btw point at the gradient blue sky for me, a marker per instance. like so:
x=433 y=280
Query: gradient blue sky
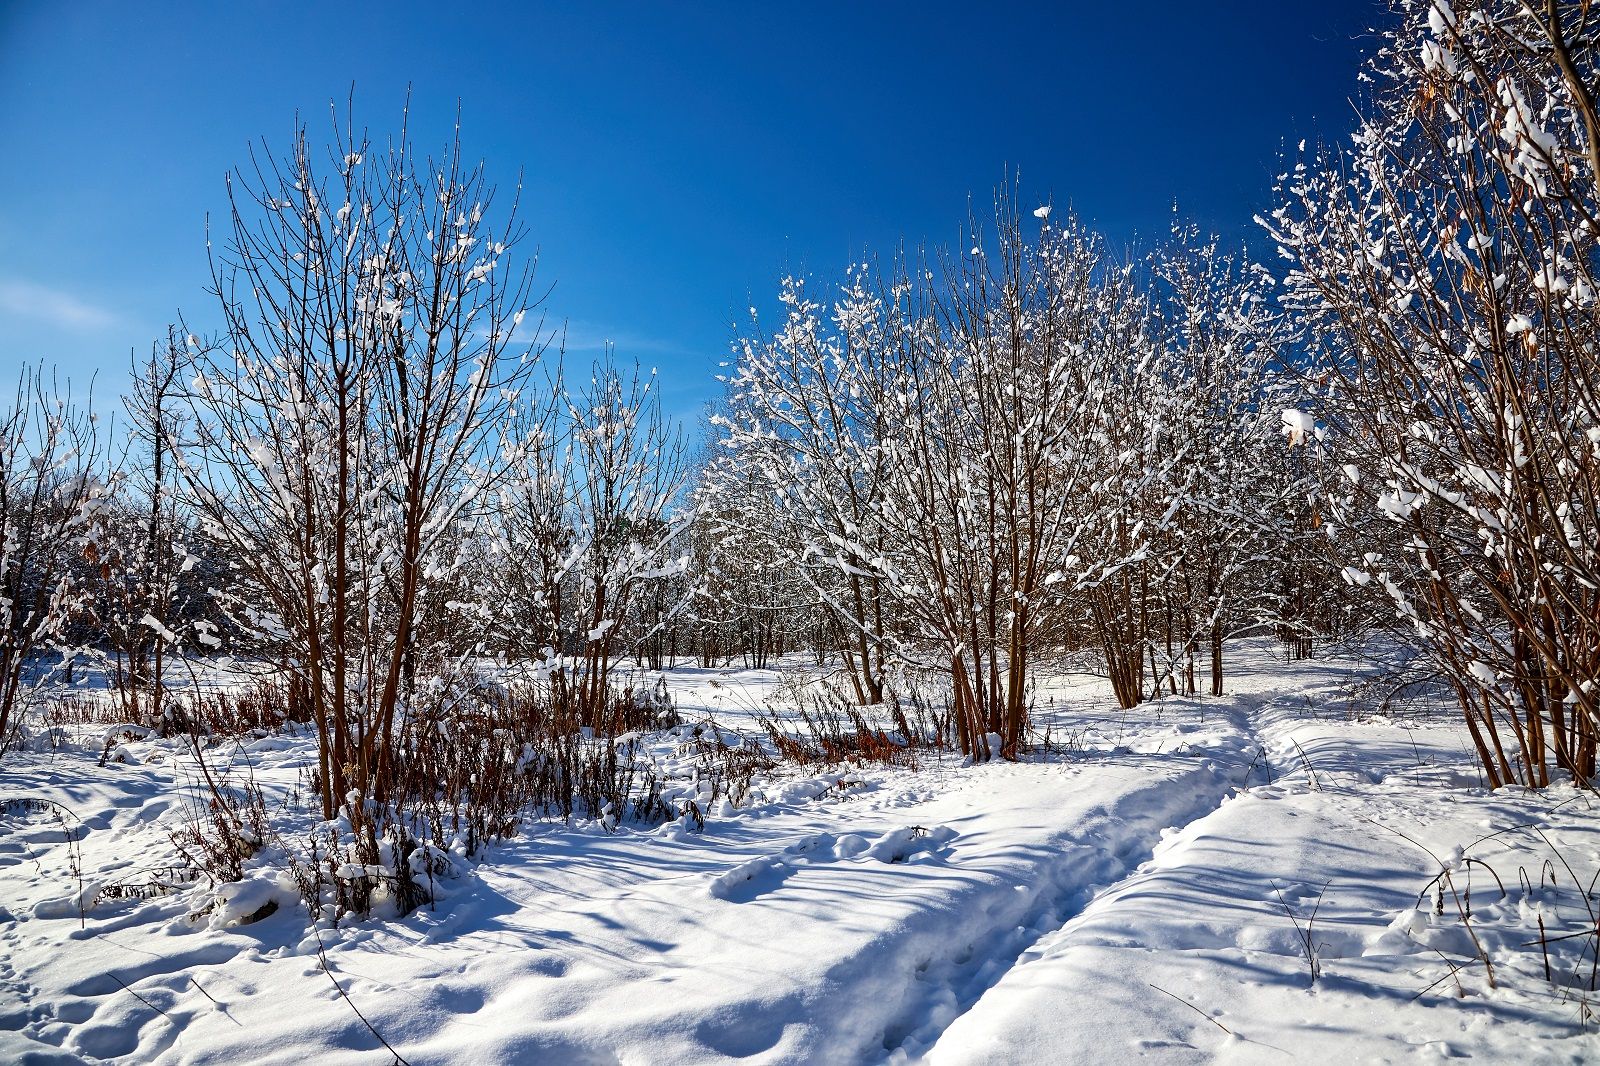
x=678 y=158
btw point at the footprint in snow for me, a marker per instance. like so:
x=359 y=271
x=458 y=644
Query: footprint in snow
x=759 y=876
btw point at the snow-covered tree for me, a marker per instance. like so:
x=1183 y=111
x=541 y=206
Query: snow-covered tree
x=994 y=487
x=589 y=526
x=52 y=490
x=972 y=459
x=751 y=597
x=801 y=435
x=1444 y=267
x=148 y=600
x=1231 y=498
x=348 y=422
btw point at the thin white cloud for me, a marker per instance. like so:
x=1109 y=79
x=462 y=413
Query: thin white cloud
x=26 y=299
x=586 y=337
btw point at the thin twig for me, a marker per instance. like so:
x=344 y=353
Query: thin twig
x=141 y=999
x=322 y=957
x=1192 y=1007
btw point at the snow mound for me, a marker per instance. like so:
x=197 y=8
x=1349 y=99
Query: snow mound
x=900 y=845
x=237 y=903
x=748 y=879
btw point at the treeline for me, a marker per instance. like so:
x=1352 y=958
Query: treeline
x=375 y=473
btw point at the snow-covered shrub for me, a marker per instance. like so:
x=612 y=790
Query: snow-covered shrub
x=1520 y=903
x=726 y=764
x=225 y=824
x=470 y=769
x=258 y=708
x=562 y=766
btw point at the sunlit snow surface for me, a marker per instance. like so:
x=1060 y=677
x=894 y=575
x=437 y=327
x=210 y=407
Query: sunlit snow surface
x=1140 y=894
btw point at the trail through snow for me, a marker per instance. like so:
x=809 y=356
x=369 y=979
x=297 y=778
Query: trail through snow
x=1135 y=898
x=1095 y=849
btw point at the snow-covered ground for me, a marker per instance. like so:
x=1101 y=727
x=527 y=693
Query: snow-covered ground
x=1145 y=892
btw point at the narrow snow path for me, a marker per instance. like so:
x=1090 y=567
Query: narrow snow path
x=868 y=927
x=1099 y=851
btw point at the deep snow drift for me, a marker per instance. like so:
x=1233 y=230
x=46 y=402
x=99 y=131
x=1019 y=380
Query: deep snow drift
x=1239 y=879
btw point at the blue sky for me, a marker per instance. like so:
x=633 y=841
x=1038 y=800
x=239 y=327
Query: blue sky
x=678 y=158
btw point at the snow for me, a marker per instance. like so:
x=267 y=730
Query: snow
x=1298 y=426
x=1088 y=904
x=153 y=623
